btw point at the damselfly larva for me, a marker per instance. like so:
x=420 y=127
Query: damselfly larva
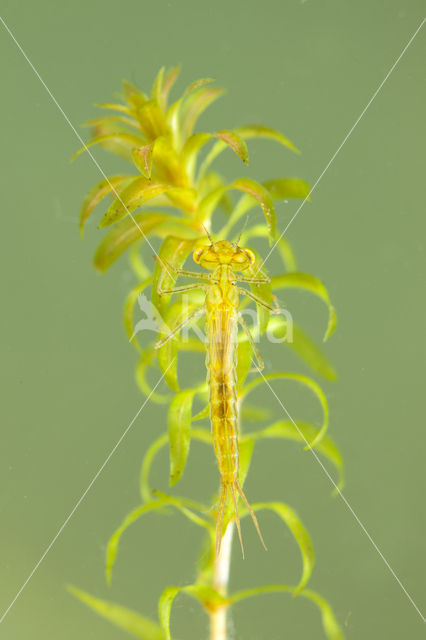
x=226 y=261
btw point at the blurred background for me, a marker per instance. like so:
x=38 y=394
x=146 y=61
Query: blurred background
x=307 y=69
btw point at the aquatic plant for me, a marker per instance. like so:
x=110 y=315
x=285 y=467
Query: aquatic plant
x=173 y=193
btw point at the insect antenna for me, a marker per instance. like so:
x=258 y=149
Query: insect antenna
x=208 y=235
x=237 y=242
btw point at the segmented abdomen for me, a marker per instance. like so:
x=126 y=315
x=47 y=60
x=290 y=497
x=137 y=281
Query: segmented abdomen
x=222 y=325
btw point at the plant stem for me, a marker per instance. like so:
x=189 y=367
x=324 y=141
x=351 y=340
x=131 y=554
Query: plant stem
x=222 y=565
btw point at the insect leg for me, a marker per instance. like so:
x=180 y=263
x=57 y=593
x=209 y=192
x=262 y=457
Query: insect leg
x=186 y=287
x=196 y=313
x=182 y=272
x=258 y=300
x=251 y=341
x=259 y=279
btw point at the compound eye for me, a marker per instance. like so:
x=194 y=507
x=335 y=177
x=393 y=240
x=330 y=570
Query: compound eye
x=250 y=255
x=197 y=254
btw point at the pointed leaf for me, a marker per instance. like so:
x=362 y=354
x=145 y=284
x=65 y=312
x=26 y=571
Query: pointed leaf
x=329 y=622
x=236 y=143
x=195 y=105
x=253 y=189
x=124 y=235
x=169 y=80
x=283 y=188
x=114 y=107
x=246 y=446
x=152 y=120
x=99 y=191
x=263 y=197
x=130 y=621
x=136 y=194
x=292 y=520
x=304 y=380
x=331 y=626
x=283 y=245
x=111 y=120
x=259 y=131
x=147 y=358
x=183 y=505
x=202 y=435
x=197 y=84
x=134 y=96
x=311 y=354
x=127 y=140
x=142 y=157
x=157 y=87
x=244 y=358
x=308 y=282
x=128 y=311
x=206 y=595
x=179 y=427
x=304 y=433
x=173 y=251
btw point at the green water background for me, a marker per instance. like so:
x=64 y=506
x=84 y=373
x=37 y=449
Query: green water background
x=308 y=69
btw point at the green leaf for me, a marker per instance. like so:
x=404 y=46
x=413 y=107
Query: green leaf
x=331 y=626
x=114 y=107
x=152 y=120
x=259 y=131
x=139 y=191
x=194 y=105
x=179 y=426
x=98 y=192
x=130 y=621
x=147 y=358
x=127 y=140
x=286 y=252
x=206 y=595
x=169 y=80
x=202 y=435
x=329 y=622
x=142 y=157
x=301 y=344
x=183 y=505
x=244 y=358
x=124 y=235
x=304 y=432
x=157 y=87
x=283 y=188
x=173 y=251
x=253 y=189
x=263 y=197
x=310 y=283
x=114 y=541
x=134 y=96
x=293 y=522
x=236 y=143
x=304 y=380
x=245 y=447
x=128 y=310
x=194 y=143
x=112 y=120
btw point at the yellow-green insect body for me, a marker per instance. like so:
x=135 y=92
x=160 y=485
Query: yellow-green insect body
x=225 y=260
